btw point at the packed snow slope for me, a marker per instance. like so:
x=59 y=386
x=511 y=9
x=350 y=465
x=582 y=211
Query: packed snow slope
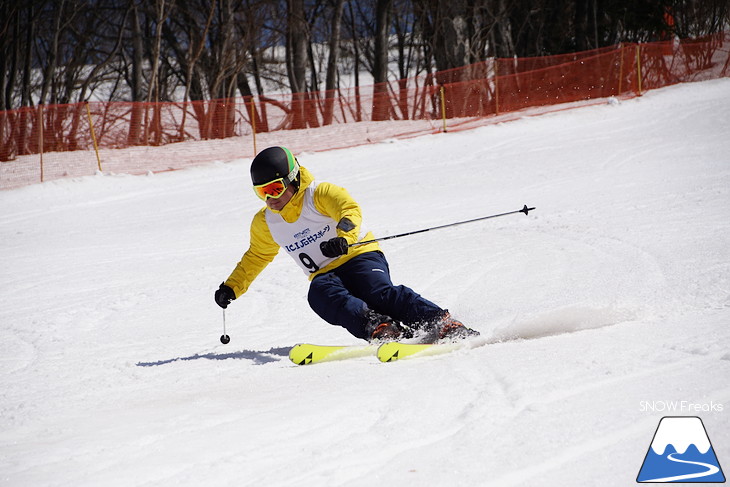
x=601 y=309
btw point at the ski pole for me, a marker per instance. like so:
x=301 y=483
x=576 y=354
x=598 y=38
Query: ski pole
x=524 y=210
x=224 y=338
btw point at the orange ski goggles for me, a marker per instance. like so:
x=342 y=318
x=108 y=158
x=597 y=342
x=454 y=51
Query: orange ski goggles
x=273 y=189
x=276 y=188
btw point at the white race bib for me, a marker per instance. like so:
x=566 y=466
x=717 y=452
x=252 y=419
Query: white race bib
x=301 y=238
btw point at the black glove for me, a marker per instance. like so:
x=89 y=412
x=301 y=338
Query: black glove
x=224 y=295
x=334 y=247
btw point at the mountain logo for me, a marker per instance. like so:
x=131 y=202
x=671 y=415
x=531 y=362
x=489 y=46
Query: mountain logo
x=681 y=452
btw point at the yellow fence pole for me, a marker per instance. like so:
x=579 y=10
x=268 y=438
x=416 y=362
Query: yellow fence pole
x=253 y=124
x=93 y=136
x=40 y=136
x=638 y=65
x=443 y=107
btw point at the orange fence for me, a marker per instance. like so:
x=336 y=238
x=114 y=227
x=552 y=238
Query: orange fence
x=124 y=137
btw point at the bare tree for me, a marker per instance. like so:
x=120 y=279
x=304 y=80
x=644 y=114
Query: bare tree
x=64 y=50
x=333 y=58
x=381 y=100
x=697 y=18
x=297 y=40
x=60 y=19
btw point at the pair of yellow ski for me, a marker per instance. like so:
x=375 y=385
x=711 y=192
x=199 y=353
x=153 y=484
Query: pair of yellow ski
x=307 y=353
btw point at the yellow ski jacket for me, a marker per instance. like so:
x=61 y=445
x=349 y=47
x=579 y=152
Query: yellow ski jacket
x=330 y=200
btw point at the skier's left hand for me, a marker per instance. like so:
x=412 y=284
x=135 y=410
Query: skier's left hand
x=334 y=247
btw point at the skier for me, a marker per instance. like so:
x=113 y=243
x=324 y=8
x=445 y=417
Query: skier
x=350 y=286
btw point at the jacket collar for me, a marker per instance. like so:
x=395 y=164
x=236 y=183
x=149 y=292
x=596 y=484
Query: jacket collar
x=291 y=212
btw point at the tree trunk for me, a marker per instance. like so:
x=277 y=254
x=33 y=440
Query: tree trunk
x=296 y=61
x=580 y=24
x=50 y=70
x=356 y=57
x=334 y=51
x=451 y=45
x=381 y=101
x=505 y=45
x=137 y=81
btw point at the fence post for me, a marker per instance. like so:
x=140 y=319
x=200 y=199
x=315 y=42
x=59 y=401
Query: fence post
x=443 y=106
x=253 y=124
x=496 y=86
x=40 y=137
x=621 y=69
x=638 y=66
x=93 y=137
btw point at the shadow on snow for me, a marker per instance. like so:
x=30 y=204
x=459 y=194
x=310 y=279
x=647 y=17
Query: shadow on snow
x=258 y=358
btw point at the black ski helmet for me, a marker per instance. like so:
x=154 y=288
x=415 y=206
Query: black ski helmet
x=274 y=163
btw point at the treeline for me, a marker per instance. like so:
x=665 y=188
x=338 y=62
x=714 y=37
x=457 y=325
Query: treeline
x=68 y=51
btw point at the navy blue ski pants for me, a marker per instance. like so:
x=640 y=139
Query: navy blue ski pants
x=342 y=295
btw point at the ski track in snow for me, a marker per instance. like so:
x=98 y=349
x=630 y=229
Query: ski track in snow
x=615 y=290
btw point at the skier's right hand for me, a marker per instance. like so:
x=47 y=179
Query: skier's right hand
x=224 y=295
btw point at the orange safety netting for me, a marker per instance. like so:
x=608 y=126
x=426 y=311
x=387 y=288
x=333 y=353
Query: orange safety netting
x=79 y=139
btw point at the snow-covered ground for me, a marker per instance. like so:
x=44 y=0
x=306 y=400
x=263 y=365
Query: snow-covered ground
x=607 y=303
